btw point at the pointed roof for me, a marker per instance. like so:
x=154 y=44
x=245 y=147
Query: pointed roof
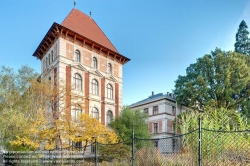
x=80 y=27
x=86 y=26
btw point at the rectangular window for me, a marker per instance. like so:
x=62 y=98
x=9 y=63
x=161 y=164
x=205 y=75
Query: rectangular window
x=93 y=148
x=145 y=110
x=173 y=110
x=155 y=110
x=77 y=144
x=155 y=128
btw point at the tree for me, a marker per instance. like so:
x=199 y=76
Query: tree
x=83 y=130
x=123 y=126
x=34 y=114
x=219 y=132
x=15 y=113
x=129 y=120
x=13 y=85
x=215 y=80
x=242 y=44
x=246 y=109
x=35 y=132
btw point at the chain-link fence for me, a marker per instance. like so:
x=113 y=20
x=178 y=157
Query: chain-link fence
x=225 y=147
x=199 y=147
x=172 y=151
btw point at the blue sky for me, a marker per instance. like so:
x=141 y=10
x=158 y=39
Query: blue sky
x=162 y=38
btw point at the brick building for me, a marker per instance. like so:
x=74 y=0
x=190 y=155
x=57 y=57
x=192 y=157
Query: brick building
x=162 y=111
x=79 y=53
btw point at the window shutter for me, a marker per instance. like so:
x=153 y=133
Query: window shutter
x=150 y=127
x=160 y=126
x=170 y=126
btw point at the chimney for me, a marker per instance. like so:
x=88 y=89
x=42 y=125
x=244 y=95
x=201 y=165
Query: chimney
x=171 y=95
x=152 y=93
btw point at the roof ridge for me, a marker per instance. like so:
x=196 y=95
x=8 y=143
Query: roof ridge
x=83 y=24
x=105 y=35
x=152 y=98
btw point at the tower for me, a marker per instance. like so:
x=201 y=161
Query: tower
x=79 y=53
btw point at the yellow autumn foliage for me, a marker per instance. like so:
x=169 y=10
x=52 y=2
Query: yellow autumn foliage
x=86 y=128
x=46 y=133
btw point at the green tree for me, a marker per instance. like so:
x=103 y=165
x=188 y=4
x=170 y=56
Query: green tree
x=129 y=120
x=19 y=93
x=124 y=125
x=14 y=84
x=246 y=109
x=215 y=80
x=242 y=44
x=215 y=142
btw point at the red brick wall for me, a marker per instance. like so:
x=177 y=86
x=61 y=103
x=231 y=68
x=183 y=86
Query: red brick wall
x=103 y=99
x=103 y=65
x=116 y=99
x=68 y=92
x=116 y=70
x=69 y=51
x=86 y=93
x=86 y=58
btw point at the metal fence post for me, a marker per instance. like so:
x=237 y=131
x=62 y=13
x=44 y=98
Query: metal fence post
x=96 y=152
x=200 y=143
x=133 y=148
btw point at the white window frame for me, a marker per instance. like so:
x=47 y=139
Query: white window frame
x=77 y=82
x=110 y=91
x=94 y=87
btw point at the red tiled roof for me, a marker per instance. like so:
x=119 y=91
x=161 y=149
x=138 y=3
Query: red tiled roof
x=87 y=27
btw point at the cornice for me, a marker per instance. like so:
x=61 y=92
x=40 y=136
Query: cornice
x=57 y=30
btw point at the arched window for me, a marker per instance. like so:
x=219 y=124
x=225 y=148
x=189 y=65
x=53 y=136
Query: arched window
x=109 y=117
x=52 y=56
x=47 y=63
x=94 y=87
x=109 y=68
x=95 y=63
x=49 y=59
x=78 y=82
x=77 y=56
x=75 y=114
x=109 y=91
x=95 y=113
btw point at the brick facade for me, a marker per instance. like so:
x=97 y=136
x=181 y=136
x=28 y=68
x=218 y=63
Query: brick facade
x=102 y=100
x=116 y=99
x=68 y=91
x=71 y=37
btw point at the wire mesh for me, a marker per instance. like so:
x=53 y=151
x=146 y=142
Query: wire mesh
x=225 y=147
x=115 y=154
x=172 y=151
